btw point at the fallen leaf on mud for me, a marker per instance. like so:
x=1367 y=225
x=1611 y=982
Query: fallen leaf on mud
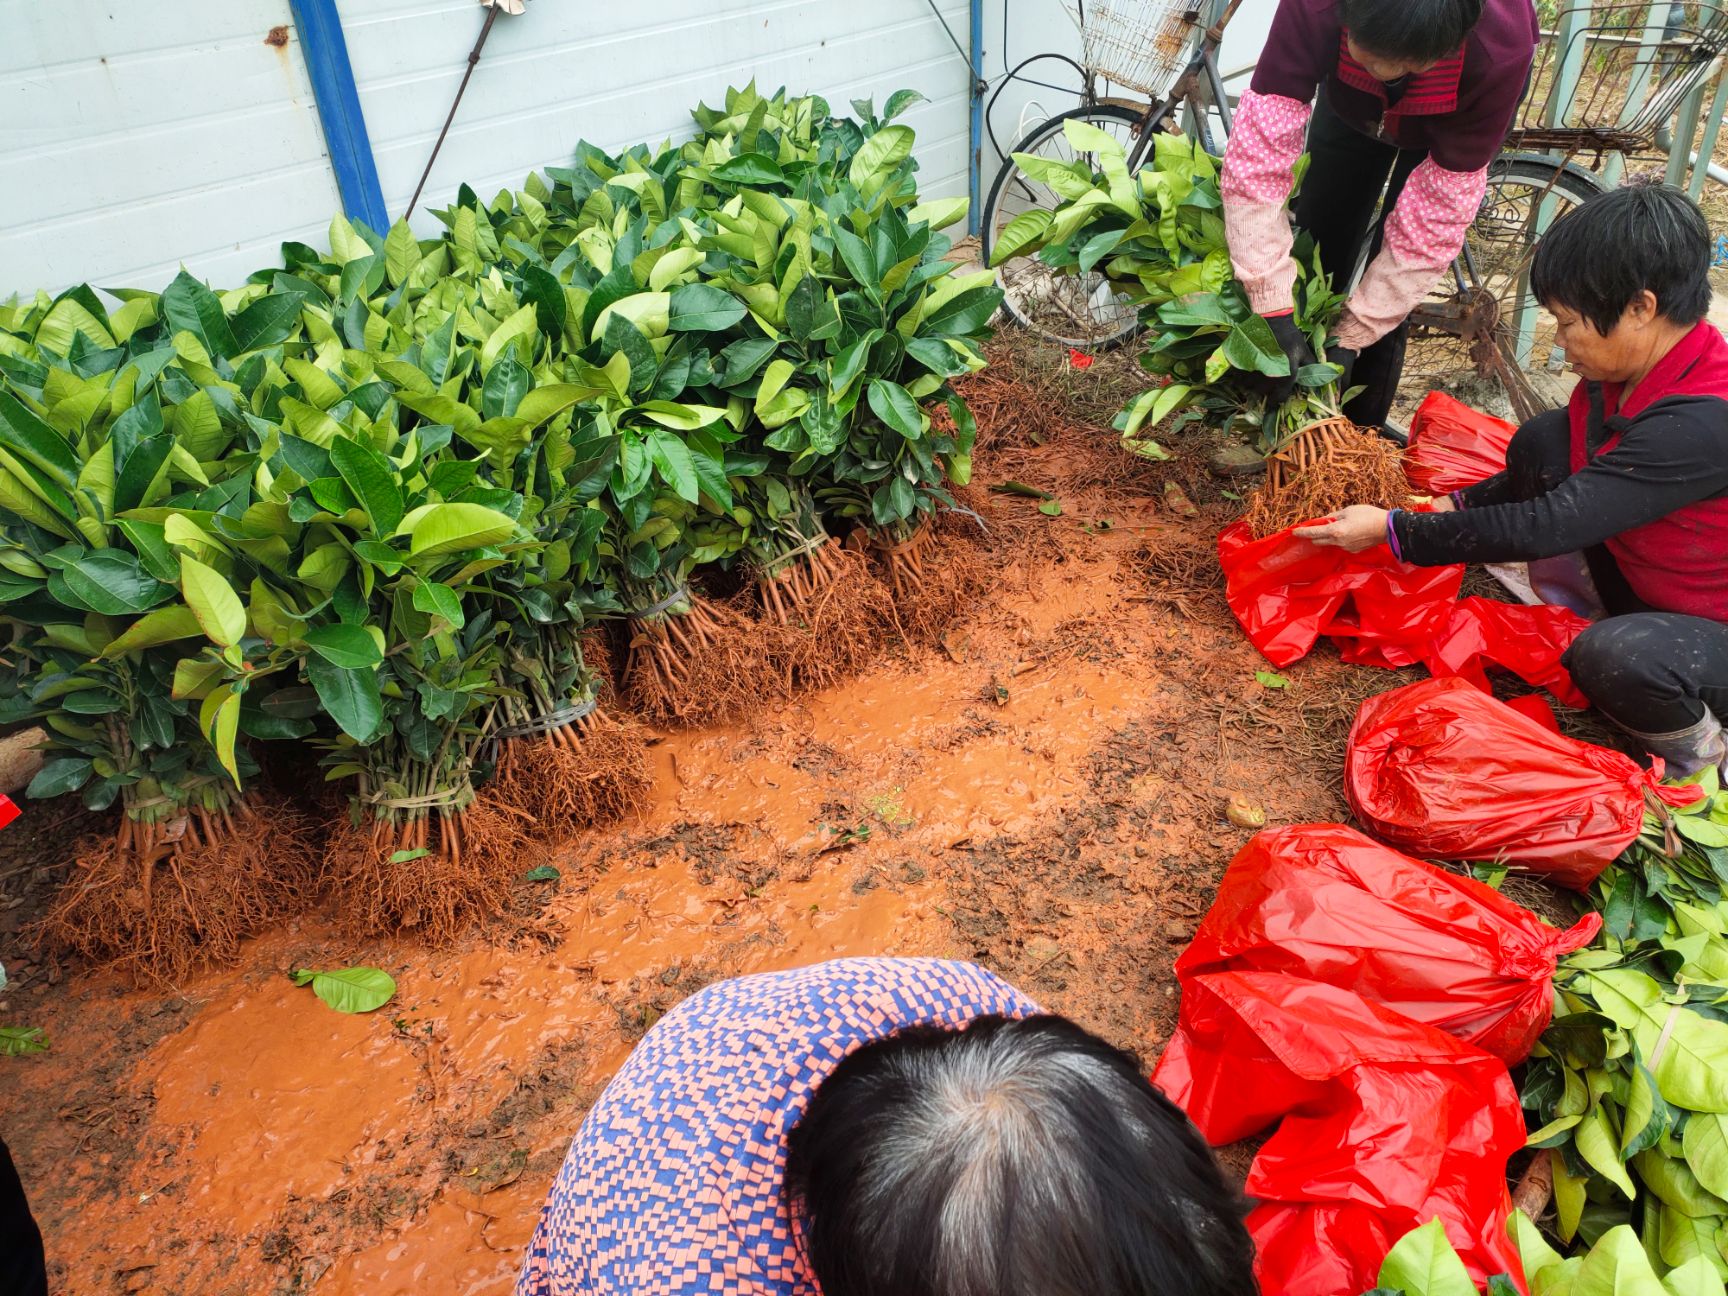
x=1051 y=508
x=498 y=1170
x=1178 y=932
x=996 y=691
x=545 y=873
x=1178 y=502
x=956 y=646
x=1244 y=813
x=1271 y=679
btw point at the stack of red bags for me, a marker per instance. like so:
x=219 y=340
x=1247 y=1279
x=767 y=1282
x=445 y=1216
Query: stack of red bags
x=1368 y=1004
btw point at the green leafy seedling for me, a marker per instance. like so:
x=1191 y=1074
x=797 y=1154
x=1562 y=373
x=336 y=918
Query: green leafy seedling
x=349 y=990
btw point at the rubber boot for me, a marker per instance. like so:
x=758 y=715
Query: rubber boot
x=1686 y=751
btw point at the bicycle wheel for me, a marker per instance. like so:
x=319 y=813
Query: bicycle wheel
x=1075 y=310
x=1526 y=194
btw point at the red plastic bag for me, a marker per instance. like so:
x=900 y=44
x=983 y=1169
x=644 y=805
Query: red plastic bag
x=1288 y=592
x=1325 y=903
x=1526 y=640
x=1453 y=446
x=1386 y=1124
x=1442 y=770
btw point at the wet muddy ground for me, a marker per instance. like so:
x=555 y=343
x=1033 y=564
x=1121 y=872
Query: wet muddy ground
x=1043 y=792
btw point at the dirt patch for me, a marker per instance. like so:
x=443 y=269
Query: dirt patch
x=1041 y=787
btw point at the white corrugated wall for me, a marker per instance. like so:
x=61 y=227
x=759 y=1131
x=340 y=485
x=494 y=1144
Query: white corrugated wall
x=139 y=134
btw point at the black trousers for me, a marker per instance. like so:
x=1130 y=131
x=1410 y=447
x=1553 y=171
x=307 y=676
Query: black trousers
x=1347 y=173
x=1651 y=672
x=23 y=1269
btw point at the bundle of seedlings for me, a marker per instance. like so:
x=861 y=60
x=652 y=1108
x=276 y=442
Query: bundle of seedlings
x=832 y=611
x=1157 y=239
x=560 y=760
x=129 y=519
x=1327 y=465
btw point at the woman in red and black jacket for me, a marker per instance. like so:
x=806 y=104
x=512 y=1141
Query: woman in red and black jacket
x=1409 y=97
x=1632 y=477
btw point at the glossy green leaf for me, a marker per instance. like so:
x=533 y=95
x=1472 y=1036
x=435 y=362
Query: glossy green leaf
x=440 y=601
x=351 y=697
x=213 y=601
x=347 y=646
x=350 y=990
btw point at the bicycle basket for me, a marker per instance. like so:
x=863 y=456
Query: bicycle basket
x=1137 y=44
x=1607 y=76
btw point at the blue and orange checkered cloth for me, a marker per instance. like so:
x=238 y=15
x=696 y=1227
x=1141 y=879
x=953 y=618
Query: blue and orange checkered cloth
x=673 y=1185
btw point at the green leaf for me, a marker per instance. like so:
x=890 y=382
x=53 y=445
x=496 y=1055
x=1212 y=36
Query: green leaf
x=880 y=155
x=351 y=697
x=703 y=308
x=113 y=582
x=1595 y=1141
x=17 y=1041
x=351 y=647
x=1706 y=1146
x=750 y=169
x=188 y=306
x=542 y=873
x=33 y=441
x=1024 y=233
x=1692 y=1069
x=1645 y=1119
x=1252 y=347
x=436 y=529
x=409 y=856
x=267 y=322
x=401 y=253
x=1051 y=508
x=894 y=405
x=1271 y=679
x=439 y=600
x=350 y=990
x=1695 y=1277
x=373 y=480
x=522 y=324
x=1423 y=1263
x=58 y=776
x=213 y=601
x=1617 y=1266
x=672 y=458
x=963 y=315
x=219 y=721
x=164 y=625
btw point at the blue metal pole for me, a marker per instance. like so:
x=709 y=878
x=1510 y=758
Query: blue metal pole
x=974 y=210
x=326 y=48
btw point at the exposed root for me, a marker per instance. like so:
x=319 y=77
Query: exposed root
x=1324 y=467
x=934 y=576
x=592 y=772
x=473 y=858
x=159 y=909
x=833 y=612
x=711 y=663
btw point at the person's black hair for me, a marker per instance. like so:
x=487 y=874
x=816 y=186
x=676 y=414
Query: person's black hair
x=1604 y=252
x=1413 y=31
x=1011 y=1158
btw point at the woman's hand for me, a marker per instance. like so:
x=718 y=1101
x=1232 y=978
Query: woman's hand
x=1359 y=527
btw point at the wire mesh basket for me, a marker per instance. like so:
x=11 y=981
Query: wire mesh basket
x=1611 y=75
x=1137 y=44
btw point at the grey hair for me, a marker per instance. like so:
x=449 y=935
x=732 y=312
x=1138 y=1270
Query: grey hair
x=1015 y=1156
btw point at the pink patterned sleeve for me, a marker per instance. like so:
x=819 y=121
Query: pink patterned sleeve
x=1423 y=234
x=1259 y=167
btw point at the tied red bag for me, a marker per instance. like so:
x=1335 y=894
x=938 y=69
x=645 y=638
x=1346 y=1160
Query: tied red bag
x=1443 y=770
x=1453 y=446
x=1325 y=903
x=1386 y=1124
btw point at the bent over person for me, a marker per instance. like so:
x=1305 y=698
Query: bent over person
x=1413 y=97
x=1619 y=502
x=884 y=1127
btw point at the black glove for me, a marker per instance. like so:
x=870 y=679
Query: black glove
x=1345 y=359
x=1294 y=342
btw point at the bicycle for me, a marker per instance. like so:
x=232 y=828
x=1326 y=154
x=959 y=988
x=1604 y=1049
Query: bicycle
x=1140 y=45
